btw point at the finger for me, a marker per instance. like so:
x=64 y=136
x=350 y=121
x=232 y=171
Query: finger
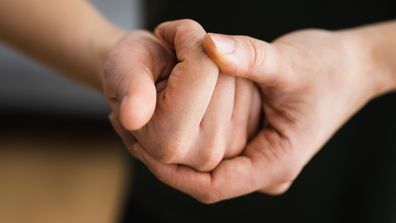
x=231 y=178
x=221 y=105
x=243 y=56
x=234 y=177
x=131 y=71
x=193 y=80
x=256 y=116
x=180 y=177
x=265 y=163
x=210 y=147
x=240 y=117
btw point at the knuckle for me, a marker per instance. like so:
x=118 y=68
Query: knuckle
x=167 y=156
x=261 y=56
x=209 y=196
x=212 y=192
x=209 y=162
x=257 y=55
x=240 y=140
x=188 y=23
x=236 y=146
x=211 y=156
x=232 y=67
x=171 y=151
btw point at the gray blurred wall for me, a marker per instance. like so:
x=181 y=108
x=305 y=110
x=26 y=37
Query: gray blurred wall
x=26 y=86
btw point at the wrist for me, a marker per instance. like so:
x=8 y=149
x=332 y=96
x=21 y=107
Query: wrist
x=375 y=55
x=102 y=43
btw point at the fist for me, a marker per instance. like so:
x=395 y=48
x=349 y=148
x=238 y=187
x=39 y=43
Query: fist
x=188 y=112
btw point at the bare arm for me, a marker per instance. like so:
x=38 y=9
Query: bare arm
x=379 y=41
x=70 y=36
x=312 y=82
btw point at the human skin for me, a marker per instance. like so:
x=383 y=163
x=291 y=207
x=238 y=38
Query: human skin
x=199 y=116
x=76 y=40
x=311 y=82
x=71 y=37
x=302 y=77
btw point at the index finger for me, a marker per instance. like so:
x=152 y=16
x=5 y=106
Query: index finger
x=193 y=80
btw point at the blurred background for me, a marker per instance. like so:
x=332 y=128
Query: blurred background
x=30 y=87
x=60 y=160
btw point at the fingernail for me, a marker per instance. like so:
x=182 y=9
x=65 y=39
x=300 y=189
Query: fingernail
x=223 y=43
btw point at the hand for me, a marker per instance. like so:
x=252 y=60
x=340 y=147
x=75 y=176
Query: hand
x=311 y=82
x=194 y=116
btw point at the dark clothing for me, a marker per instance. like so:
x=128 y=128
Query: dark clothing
x=269 y=19
x=352 y=179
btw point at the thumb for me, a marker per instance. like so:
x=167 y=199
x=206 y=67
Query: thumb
x=243 y=56
x=131 y=72
x=130 y=91
x=138 y=104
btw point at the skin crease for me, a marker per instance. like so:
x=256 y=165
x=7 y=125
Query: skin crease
x=305 y=79
x=310 y=82
x=200 y=116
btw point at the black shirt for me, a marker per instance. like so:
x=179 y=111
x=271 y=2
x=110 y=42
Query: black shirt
x=352 y=179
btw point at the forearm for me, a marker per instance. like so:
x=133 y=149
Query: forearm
x=69 y=36
x=377 y=45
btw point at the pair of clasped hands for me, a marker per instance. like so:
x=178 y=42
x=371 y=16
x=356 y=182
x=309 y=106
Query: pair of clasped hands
x=219 y=116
